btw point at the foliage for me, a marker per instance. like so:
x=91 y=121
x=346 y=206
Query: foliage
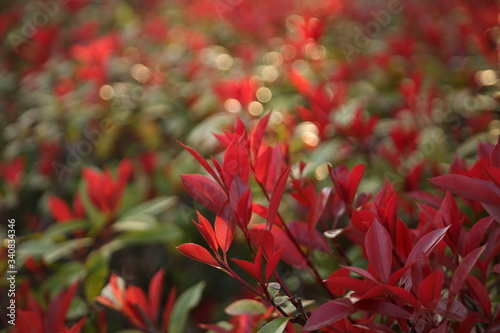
x=339 y=161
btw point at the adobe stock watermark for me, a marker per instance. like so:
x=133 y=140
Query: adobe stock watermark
x=224 y=6
x=121 y=108
x=362 y=36
x=47 y=10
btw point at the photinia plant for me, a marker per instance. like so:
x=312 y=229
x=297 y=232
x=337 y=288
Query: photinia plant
x=428 y=275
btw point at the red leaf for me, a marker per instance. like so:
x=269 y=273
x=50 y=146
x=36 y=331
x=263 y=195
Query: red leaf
x=276 y=197
x=59 y=209
x=263 y=241
x=427 y=243
x=236 y=162
x=249 y=267
x=364 y=273
x=383 y=308
x=299 y=231
x=273 y=262
x=240 y=189
x=155 y=292
x=281 y=240
x=169 y=305
x=374 y=327
x=197 y=252
x=59 y=307
x=28 y=322
x=455 y=310
x=244 y=209
x=224 y=227
x=354 y=178
x=405 y=295
x=202 y=161
x=468 y=324
x=495 y=155
x=136 y=307
x=328 y=314
x=337 y=284
x=333 y=286
x=474 y=189
x=205 y=191
x=318 y=206
x=394 y=279
x=429 y=290
x=257 y=136
x=378 y=248
x=207 y=231
x=479 y=293
x=462 y=272
x=476 y=234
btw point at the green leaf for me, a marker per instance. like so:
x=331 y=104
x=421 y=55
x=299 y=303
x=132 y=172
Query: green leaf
x=65 y=275
x=65 y=228
x=65 y=248
x=276 y=326
x=185 y=303
x=97 y=273
x=245 y=306
x=151 y=207
x=161 y=233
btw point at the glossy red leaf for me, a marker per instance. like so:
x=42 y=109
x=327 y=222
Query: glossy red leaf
x=328 y=314
x=429 y=291
x=355 y=176
x=273 y=262
x=474 y=189
x=405 y=295
x=240 y=190
x=224 y=227
x=364 y=273
x=318 y=206
x=202 y=161
x=397 y=275
x=479 y=293
x=155 y=293
x=335 y=288
x=299 y=231
x=476 y=234
x=378 y=247
x=207 y=231
x=276 y=196
x=205 y=191
x=281 y=240
x=263 y=240
x=257 y=135
x=249 y=267
x=494 y=175
x=383 y=308
x=337 y=284
x=462 y=271
x=427 y=243
x=236 y=162
x=197 y=252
